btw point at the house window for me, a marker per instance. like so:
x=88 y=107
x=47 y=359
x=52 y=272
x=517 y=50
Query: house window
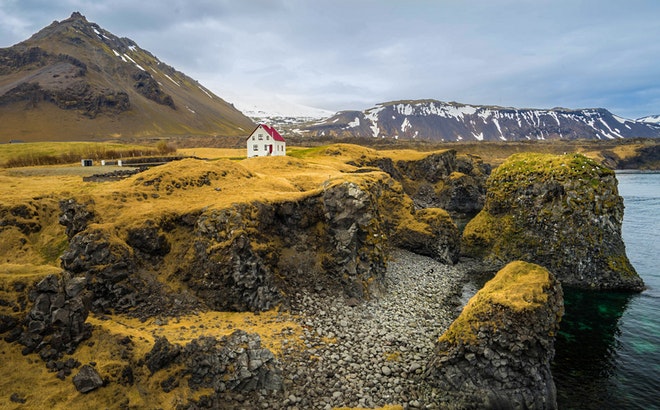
x=253 y=138
x=261 y=137
x=255 y=147
x=267 y=138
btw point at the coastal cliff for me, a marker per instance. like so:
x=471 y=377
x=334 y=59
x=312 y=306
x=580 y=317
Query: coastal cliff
x=151 y=276
x=562 y=212
x=497 y=353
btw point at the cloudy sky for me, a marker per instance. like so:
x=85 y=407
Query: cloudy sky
x=352 y=54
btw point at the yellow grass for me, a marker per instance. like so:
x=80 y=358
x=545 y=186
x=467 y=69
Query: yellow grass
x=387 y=407
x=518 y=286
x=42 y=389
x=213 y=153
x=274 y=328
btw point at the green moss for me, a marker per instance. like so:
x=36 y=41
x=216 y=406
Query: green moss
x=54 y=249
x=621 y=265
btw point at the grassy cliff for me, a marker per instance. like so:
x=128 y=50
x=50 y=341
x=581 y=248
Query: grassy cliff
x=131 y=241
x=560 y=211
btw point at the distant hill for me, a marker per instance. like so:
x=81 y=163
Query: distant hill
x=73 y=80
x=434 y=120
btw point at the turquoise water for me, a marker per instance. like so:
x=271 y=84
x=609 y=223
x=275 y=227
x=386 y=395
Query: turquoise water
x=608 y=350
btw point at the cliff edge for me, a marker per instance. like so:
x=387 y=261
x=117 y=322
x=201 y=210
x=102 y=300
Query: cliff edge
x=563 y=212
x=497 y=353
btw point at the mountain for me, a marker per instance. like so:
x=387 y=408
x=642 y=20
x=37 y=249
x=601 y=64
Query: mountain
x=651 y=119
x=441 y=121
x=74 y=80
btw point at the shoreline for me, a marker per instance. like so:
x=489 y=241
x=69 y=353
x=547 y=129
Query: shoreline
x=373 y=354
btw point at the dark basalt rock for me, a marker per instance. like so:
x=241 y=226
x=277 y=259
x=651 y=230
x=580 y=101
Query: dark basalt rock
x=148 y=240
x=87 y=379
x=440 y=180
x=234 y=363
x=7 y=323
x=497 y=353
x=148 y=87
x=440 y=241
x=161 y=355
x=75 y=217
x=56 y=322
x=561 y=212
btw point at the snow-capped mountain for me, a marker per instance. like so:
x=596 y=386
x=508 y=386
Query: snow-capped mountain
x=651 y=119
x=450 y=121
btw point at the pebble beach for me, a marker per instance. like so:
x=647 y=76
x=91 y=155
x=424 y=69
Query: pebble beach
x=370 y=354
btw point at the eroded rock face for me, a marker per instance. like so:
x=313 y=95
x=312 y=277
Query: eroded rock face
x=439 y=238
x=56 y=322
x=561 y=212
x=75 y=216
x=497 y=353
x=441 y=180
x=234 y=363
x=248 y=256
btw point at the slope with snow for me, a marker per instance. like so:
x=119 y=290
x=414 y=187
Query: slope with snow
x=451 y=121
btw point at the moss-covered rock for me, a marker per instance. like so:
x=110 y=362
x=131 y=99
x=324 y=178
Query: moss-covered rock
x=563 y=212
x=497 y=353
x=439 y=180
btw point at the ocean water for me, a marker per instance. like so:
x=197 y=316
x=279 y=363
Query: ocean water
x=608 y=348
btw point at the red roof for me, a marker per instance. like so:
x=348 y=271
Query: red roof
x=271 y=131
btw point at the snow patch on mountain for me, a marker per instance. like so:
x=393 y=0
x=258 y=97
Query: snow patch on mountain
x=437 y=120
x=651 y=119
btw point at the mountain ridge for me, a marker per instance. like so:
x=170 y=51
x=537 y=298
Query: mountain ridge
x=436 y=120
x=76 y=80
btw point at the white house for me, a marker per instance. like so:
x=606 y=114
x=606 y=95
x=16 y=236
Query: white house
x=265 y=141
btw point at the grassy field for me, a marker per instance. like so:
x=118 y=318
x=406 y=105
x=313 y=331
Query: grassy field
x=53 y=153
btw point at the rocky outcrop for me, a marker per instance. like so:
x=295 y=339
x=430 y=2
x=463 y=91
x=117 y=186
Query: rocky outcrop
x=235 y=363
x=247 y=256
x=440 y=180
x=561 y=212
x=149 y=88
x=497 y=353
x=56 y=322
x=75 y=216
x=434 y=234
x=244 y=256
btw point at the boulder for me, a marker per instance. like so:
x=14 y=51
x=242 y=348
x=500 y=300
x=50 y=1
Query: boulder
x=497 y=353
x=87 y=379
x=562 y=212
x=161 y=355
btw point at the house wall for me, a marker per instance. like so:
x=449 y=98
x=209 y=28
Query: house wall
x=259 y=141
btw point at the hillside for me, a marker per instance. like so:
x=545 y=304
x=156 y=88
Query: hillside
x=73 y=80
x=433 y=120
